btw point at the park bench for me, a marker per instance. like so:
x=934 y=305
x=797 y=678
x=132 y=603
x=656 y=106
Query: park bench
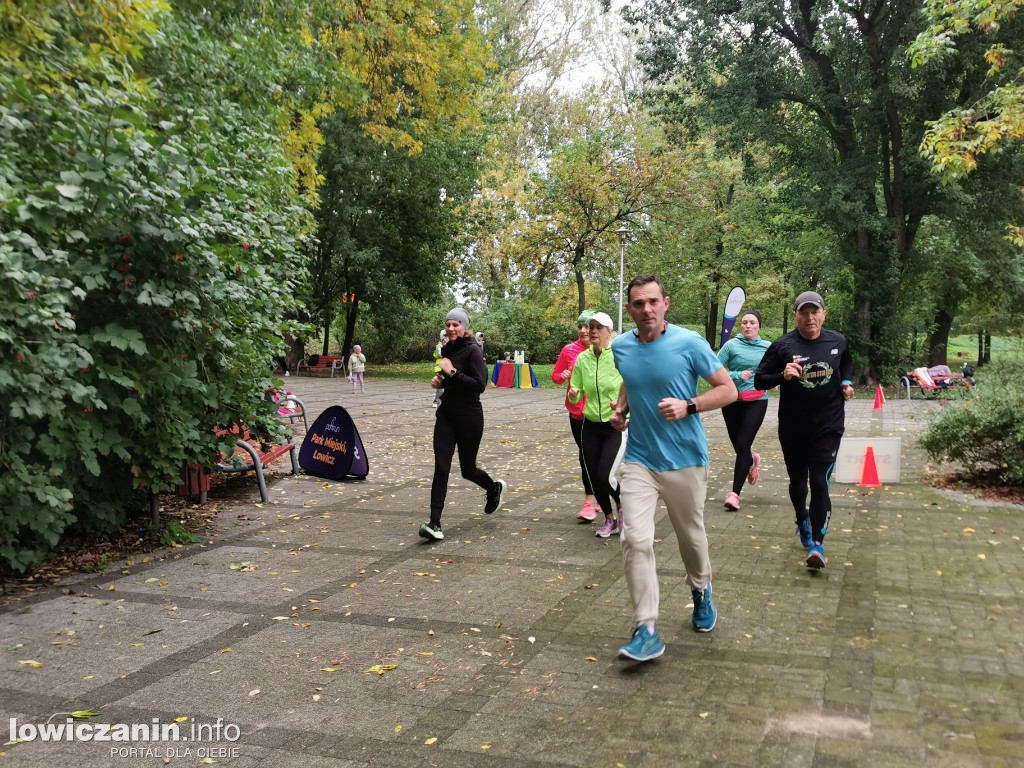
x=321 y=363
x=935 y=380
x=250 y=453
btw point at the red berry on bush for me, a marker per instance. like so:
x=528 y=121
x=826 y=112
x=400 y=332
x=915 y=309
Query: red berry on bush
x=127 y=258
x=29 y=295
x=19 y=357
x=246 y=247
x=128 y=282
x=125 y=238
x=84 y=370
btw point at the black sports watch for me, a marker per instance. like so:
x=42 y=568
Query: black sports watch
x=691 y=407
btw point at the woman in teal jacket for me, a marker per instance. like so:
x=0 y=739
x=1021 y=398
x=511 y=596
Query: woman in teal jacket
x=743 y=418
x=596 y=377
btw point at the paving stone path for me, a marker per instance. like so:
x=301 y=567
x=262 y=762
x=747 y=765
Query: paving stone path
x=320 y=630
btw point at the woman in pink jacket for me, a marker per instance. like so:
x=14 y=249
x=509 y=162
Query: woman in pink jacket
x=561 y=375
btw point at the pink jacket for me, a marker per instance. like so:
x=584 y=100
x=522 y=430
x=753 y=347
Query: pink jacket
x=566 y=361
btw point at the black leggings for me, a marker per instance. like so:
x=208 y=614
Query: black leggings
x=742 y=420
x=462 y=428
x=576 y=425
x=809 y=463
x=601 y=443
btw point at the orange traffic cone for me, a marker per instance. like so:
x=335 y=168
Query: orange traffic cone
x=869 y=477
x=879 y=399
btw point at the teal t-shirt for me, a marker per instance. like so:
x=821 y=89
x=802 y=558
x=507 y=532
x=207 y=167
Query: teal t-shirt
x=741 y=354
x=669 y=366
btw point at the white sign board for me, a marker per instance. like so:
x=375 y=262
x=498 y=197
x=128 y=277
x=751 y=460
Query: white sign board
x=850 y=459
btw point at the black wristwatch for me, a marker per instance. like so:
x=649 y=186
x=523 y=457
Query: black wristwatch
x=691 y=407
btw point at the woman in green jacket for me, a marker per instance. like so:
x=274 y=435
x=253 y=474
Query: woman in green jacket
x=743 y=418
x=596 y=377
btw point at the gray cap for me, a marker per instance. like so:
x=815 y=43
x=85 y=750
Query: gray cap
x=808 y=297
x=459 y=315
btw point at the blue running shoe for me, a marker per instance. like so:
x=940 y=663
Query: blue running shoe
x=806 y=536
x=704 y=613
x=644 y=645
x=816 y=557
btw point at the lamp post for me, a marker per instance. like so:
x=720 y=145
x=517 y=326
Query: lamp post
x=623 y=233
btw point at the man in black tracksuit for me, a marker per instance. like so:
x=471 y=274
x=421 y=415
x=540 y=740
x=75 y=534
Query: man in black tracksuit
x=460 y=420
x=813 y=369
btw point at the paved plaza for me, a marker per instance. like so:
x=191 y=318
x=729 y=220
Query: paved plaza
x=320 y=630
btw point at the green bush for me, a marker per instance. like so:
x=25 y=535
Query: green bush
x=532 y=326
x=986 y=435
x=147 y=230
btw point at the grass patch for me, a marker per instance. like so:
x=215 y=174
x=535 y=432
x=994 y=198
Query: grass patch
x=1004 y=349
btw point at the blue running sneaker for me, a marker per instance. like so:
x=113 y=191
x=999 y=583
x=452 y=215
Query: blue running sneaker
x=704 y=613
x=806 y=536
x=816 y=557
x=644 y=645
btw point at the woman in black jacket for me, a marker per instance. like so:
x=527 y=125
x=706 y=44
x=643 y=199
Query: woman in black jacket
x=460 y=420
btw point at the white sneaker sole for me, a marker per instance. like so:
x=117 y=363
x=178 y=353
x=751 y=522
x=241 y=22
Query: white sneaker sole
x=431 y=535
x=624 y=654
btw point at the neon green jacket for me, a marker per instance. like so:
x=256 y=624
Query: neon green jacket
x=598 y=379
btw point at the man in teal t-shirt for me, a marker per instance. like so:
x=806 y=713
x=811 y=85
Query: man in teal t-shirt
x=666 y=455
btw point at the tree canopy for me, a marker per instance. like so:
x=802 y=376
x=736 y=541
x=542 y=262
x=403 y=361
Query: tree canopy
x=829 y=85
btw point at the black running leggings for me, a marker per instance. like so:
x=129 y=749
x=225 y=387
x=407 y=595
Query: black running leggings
x=462 y=428
x=809 y=463
x=743 y=419
x=601 y=443
x=576 y=425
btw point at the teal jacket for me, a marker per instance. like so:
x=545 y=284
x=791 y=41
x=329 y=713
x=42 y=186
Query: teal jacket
x=598 y=379
x=740 y=354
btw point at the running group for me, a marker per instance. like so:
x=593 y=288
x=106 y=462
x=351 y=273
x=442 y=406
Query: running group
x=634 y=412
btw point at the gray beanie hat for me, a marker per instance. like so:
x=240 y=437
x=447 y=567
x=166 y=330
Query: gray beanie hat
x=460 y=315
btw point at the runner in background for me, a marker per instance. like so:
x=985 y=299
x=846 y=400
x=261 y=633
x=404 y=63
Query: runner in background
x=560 y=375
x=595 y=378
x=743 y=419
x=813 y=370
x=460 y=421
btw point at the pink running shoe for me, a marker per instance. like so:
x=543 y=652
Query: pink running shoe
x=753 y=474
x=609 y=528
x=732 y=501
x=587 y=512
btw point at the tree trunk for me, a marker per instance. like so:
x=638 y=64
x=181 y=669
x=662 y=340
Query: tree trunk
x=296 y=352
x=581 y=289
x=327 y=334
x=868 y=375
x=350 y=327
x=711 y=323
x=938 y=339
x=711 y=327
